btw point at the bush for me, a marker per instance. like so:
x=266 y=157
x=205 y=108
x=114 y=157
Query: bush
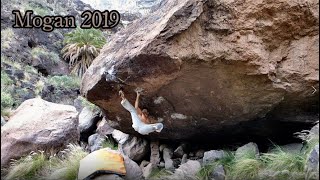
x=6 y=37
x=5 y=80
x=6 y=101
x=40 y=53
x=81 y=47
x=69 y=82
x=86 y=103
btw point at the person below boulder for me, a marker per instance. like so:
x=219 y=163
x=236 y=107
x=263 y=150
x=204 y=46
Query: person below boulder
x=140 y=119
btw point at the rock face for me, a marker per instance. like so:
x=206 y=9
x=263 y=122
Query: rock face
x=38 y=125
x=210 y=64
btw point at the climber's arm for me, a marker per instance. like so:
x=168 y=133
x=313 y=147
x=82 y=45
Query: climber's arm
x=136 y=104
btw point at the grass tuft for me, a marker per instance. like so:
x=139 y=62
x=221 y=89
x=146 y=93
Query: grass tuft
x=27 y=167
x=67 y=167
x=279 y=160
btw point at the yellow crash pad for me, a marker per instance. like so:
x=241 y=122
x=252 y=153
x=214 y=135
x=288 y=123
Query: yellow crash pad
x=101 y=161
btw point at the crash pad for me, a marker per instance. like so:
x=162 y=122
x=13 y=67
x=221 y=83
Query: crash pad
x=103 y=161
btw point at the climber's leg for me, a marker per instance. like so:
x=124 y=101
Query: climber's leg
x=149 y=128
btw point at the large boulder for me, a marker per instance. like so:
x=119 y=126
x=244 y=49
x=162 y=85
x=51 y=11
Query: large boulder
x=208 y=64
x=38 y=125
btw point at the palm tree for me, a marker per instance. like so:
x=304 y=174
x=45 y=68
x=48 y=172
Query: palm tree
x=81 y=47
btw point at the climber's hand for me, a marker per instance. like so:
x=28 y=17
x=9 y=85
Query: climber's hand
x=121 y=94
x=138 y=90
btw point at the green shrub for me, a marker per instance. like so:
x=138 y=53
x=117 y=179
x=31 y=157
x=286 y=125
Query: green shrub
x=68 y=82
x=5 y=80
x=39 y=87
x=6 y=37
x=39 y=52
x=81 y=47
x=109 y=144
x=86 y=103
x=11 y=62
x=6 y=100
x=37 y=9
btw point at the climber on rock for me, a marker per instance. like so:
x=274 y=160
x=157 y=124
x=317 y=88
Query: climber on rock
x=140 y=119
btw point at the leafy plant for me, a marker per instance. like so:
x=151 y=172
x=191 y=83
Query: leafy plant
x=81 y=47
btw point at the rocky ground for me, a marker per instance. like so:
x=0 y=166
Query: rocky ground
x=231 y=81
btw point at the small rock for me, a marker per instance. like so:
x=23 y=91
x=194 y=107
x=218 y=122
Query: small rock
x=3 y=121
x=315 y=130
x=176 y=162
x=292 y=148
x=155 y=153
x=179 y=151
x=87 y=123
x=144 y=163
x=167 y=155
x=161 y=164
x=212 y=155
x=147 y=170
x=133 y=170
x=187 y=170
x=135 y=148
x=312 y=165
x=218 y=173
x=103 y=128
x=191 y=154
x=200 y=153
x=161 y=147
x=108 y=177
x=119 y=136
x=247 y=149
x=95 y=142
x=184 y=159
